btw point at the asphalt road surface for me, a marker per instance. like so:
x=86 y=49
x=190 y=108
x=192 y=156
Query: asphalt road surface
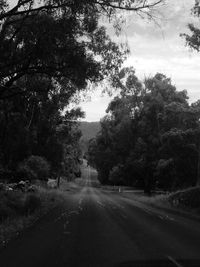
x=97 y=227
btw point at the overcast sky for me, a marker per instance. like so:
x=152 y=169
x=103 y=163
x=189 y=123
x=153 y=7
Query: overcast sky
x=157 y=49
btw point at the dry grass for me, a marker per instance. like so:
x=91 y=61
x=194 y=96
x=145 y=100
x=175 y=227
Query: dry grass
x=187 y=200
x=21 y=210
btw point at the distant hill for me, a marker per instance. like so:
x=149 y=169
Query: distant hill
x=89 y=130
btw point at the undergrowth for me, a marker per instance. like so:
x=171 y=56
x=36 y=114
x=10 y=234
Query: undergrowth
x=20 y=210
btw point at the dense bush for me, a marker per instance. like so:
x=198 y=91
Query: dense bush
x=16 y=203
x=35 y=167
x=31 y=203
x=116 y=175
x=188 y=198
x=149 y=137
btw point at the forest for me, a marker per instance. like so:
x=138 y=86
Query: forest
x=150 y=137
x=50 y=51
x=122 y=191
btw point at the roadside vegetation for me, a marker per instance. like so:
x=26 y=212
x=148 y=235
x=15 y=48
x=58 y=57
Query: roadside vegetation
x=50 y=52
x=150 y=137
x=21 y=209
x=186 y=201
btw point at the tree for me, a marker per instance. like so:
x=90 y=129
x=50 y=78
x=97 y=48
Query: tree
x=149 y=137
x=36 y=125
x=107 y=7
x=52 y=48
x=35 y=167
x=193 y=39
x=60 y=40
x=49 y=51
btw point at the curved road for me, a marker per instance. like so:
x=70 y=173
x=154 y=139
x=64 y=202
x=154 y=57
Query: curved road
x=95 y=227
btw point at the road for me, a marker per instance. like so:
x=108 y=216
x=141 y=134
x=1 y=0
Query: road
x=97 y=227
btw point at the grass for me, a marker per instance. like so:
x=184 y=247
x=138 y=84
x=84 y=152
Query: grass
x=20 y=210
x=187 y=200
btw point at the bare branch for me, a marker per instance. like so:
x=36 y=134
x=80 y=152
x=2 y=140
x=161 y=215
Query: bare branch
x=115 y=5
x=144 y=5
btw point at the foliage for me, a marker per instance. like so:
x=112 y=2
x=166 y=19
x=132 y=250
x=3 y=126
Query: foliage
x=32 y=203
x=189 y=198
x=50 y=51
x=35 y=167
x=89 y=130
x=193 y=39
x=15 y=203
x=150 y=136
x=116 y=175
x=105 y=7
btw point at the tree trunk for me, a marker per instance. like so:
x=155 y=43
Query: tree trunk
x=58 y=181
x=198 y=167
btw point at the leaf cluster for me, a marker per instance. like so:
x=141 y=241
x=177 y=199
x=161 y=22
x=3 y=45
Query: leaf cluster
x=150 y=136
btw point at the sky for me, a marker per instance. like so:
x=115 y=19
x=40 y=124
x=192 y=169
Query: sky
x=156 y=47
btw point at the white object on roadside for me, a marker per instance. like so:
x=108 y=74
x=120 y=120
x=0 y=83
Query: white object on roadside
x=52 y=183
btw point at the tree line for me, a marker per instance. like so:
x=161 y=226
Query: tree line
x=50 y=51
x=150 y=137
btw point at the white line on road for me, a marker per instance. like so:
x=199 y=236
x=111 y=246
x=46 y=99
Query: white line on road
x=161 y=217
x=147 y=210
x=66 y=233
x=170 y=218
x=100 y=203
x=74 y=212
x=174 y=261
x=165 y=217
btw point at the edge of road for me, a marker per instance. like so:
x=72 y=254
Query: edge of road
x=176 y=211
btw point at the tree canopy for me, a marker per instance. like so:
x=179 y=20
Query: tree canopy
x=193 y=38
x=149 y=137
x=49 y=51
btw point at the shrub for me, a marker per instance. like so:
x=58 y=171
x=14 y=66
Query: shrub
x=35 y=167
x=188 y=197
x=14 y=204
x=116 y=175
x=32 y=203
x=11 y=204
x=5 y=210
x=15 y=201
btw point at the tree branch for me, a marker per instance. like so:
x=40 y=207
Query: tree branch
x=104 y=3
x=129 y=8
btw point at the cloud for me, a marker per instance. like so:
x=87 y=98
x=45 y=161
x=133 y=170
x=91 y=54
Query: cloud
x=95 y=109
x=169 y=19
x=161 y=49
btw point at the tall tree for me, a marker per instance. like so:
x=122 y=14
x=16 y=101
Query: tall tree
x=49 y=51
x=149 y=137
x=193 y=39
x=59 y=39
